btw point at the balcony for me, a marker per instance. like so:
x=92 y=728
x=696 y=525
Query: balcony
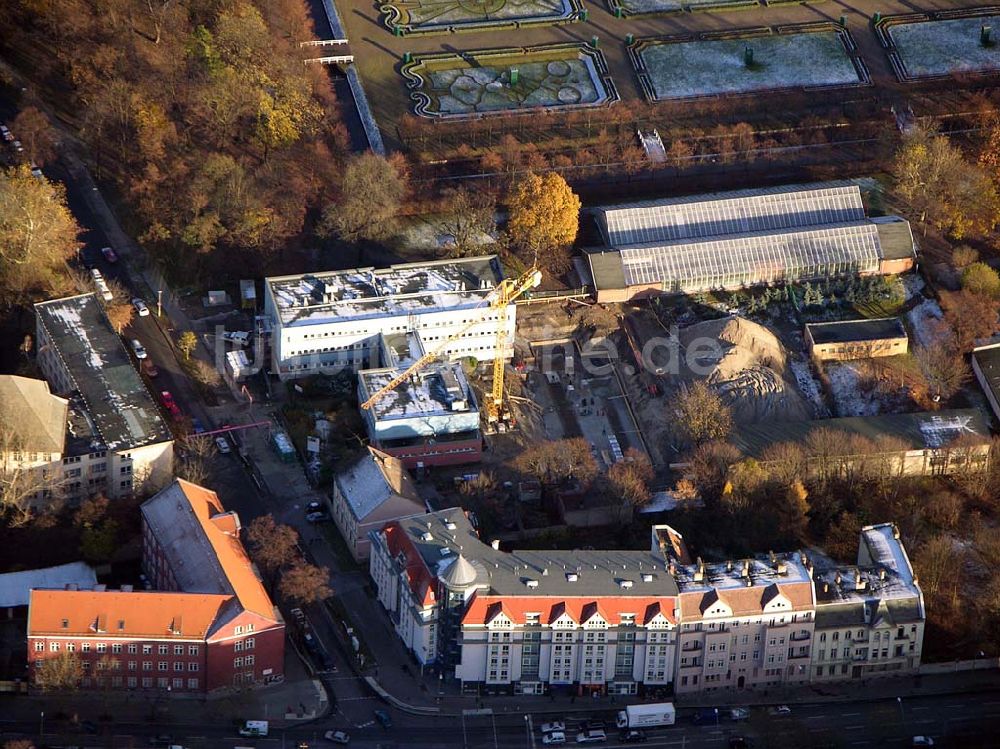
x=690 y=647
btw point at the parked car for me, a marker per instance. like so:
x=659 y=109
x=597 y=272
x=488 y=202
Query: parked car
x=17 y=146
x=923 y=741
x=706 y=715
x=149 y=369
x=222 y=444
x=593 y=736
x=101 y=284
x=239 y=337
x=592 y=725
x=170 y=404
x=635 y=736
x=318 y=517
x=337 y=737
x=138 y=349
x=781 y=710
x=314 y=507
x=109 y=254
x=739 y=713
x=140 y=307
x=556 y=725
x=196 y=426
x=8 y=136
x=383 y=718
x=36 y=171
x=555 y=737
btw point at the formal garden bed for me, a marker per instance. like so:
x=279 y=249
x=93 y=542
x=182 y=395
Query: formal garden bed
x=621 y=8
x=818 y=56
x=405 y=17
x=470 y=84
x=933 y=46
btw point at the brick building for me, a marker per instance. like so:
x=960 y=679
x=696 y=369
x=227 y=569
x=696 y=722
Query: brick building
x=210 y=624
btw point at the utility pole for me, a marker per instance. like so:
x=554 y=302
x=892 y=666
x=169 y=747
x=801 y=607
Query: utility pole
x=159 y=302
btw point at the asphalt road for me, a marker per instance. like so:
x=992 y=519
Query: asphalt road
x=954 y=721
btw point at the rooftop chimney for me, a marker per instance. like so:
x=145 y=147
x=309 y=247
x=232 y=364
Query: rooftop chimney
x=699 y=572
x=781 y=567
x=826 y=587
x=746 y=568
x=495 y=543
x=881 y=573
x=895 y=532
x=729 y=565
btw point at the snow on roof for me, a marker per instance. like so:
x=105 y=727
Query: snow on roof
x=886 y=549
x=16 y=587
x=379 y=292
x=729 y=575
x=372 y=480
x=100 y=369
x=435 y=391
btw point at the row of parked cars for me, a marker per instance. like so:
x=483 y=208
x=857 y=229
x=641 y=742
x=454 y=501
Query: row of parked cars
x=17 y=149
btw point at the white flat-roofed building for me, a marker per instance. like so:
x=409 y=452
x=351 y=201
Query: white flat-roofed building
x=116 y=439
x=324 y=322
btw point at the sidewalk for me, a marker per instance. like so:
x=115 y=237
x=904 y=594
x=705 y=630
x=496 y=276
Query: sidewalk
x=298 y=699
x=872 y=690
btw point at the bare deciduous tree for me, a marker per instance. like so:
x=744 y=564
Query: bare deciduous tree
x=305 y=583
x=59 y=673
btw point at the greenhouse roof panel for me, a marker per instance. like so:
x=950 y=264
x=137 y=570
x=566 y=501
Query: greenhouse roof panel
x=754 y=257
x=730 y=213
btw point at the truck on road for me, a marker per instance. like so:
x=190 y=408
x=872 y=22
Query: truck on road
x=254 y=728
x=647 y=716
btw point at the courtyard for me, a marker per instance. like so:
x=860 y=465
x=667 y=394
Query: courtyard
x=671 y=69
x=471 y=83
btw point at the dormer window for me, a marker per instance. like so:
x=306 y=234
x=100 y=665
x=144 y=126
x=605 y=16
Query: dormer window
x=65 y=623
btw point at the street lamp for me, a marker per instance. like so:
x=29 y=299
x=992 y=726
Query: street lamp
x=41 y=727
x=159 y=302
x=902 y=717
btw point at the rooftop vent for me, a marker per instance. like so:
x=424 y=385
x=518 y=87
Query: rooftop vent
x=881 y=573
x=127 y=589
x=572 y=577
x=427 y=536
x=445 y=551
x=647 y=578
x=65 y=623
x=625 y=584
x=531 y=583
x=450 y=526
x=782 y=568
x=495 y=543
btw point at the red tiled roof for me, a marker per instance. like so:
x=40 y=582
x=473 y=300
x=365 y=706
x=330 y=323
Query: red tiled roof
x=483 y=608
x=419 y=577
x=222 y=530
x=114 y=613
x=745 y=601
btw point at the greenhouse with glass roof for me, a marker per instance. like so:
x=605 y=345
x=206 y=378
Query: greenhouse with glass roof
x=733 y=240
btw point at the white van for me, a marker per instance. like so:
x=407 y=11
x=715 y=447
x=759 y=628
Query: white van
x=101 y=284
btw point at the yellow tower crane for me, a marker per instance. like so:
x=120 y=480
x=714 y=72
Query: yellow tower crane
x=502 y=295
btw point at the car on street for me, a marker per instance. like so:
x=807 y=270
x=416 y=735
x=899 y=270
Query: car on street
x=8 y=136
x=337 y=737
x=383 y=718
x=196 y=426
x=138 y=350
x=320 y=516
x=592 y=725
x=635 y=736
x=555 y=737
x=239 y=337
x=17 y=146
x=556 y=725
x=36 y=171
x=109 y=254
x=314 y=507
x=923 y=741
x=298 y=615
x=101 y=284
x=781 y=710
x=149 y=369
x=592 y=736
x=706 y=715
x=170 y=404
x=140 y=307
x=222 y=444
x=739 y=713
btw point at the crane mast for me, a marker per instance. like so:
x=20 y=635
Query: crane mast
x=506 y=292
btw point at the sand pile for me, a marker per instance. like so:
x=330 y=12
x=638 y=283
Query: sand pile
x=747 y=365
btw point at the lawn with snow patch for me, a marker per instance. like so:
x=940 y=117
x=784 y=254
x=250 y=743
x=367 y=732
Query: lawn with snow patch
x=679 y=70
x=930 y=48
